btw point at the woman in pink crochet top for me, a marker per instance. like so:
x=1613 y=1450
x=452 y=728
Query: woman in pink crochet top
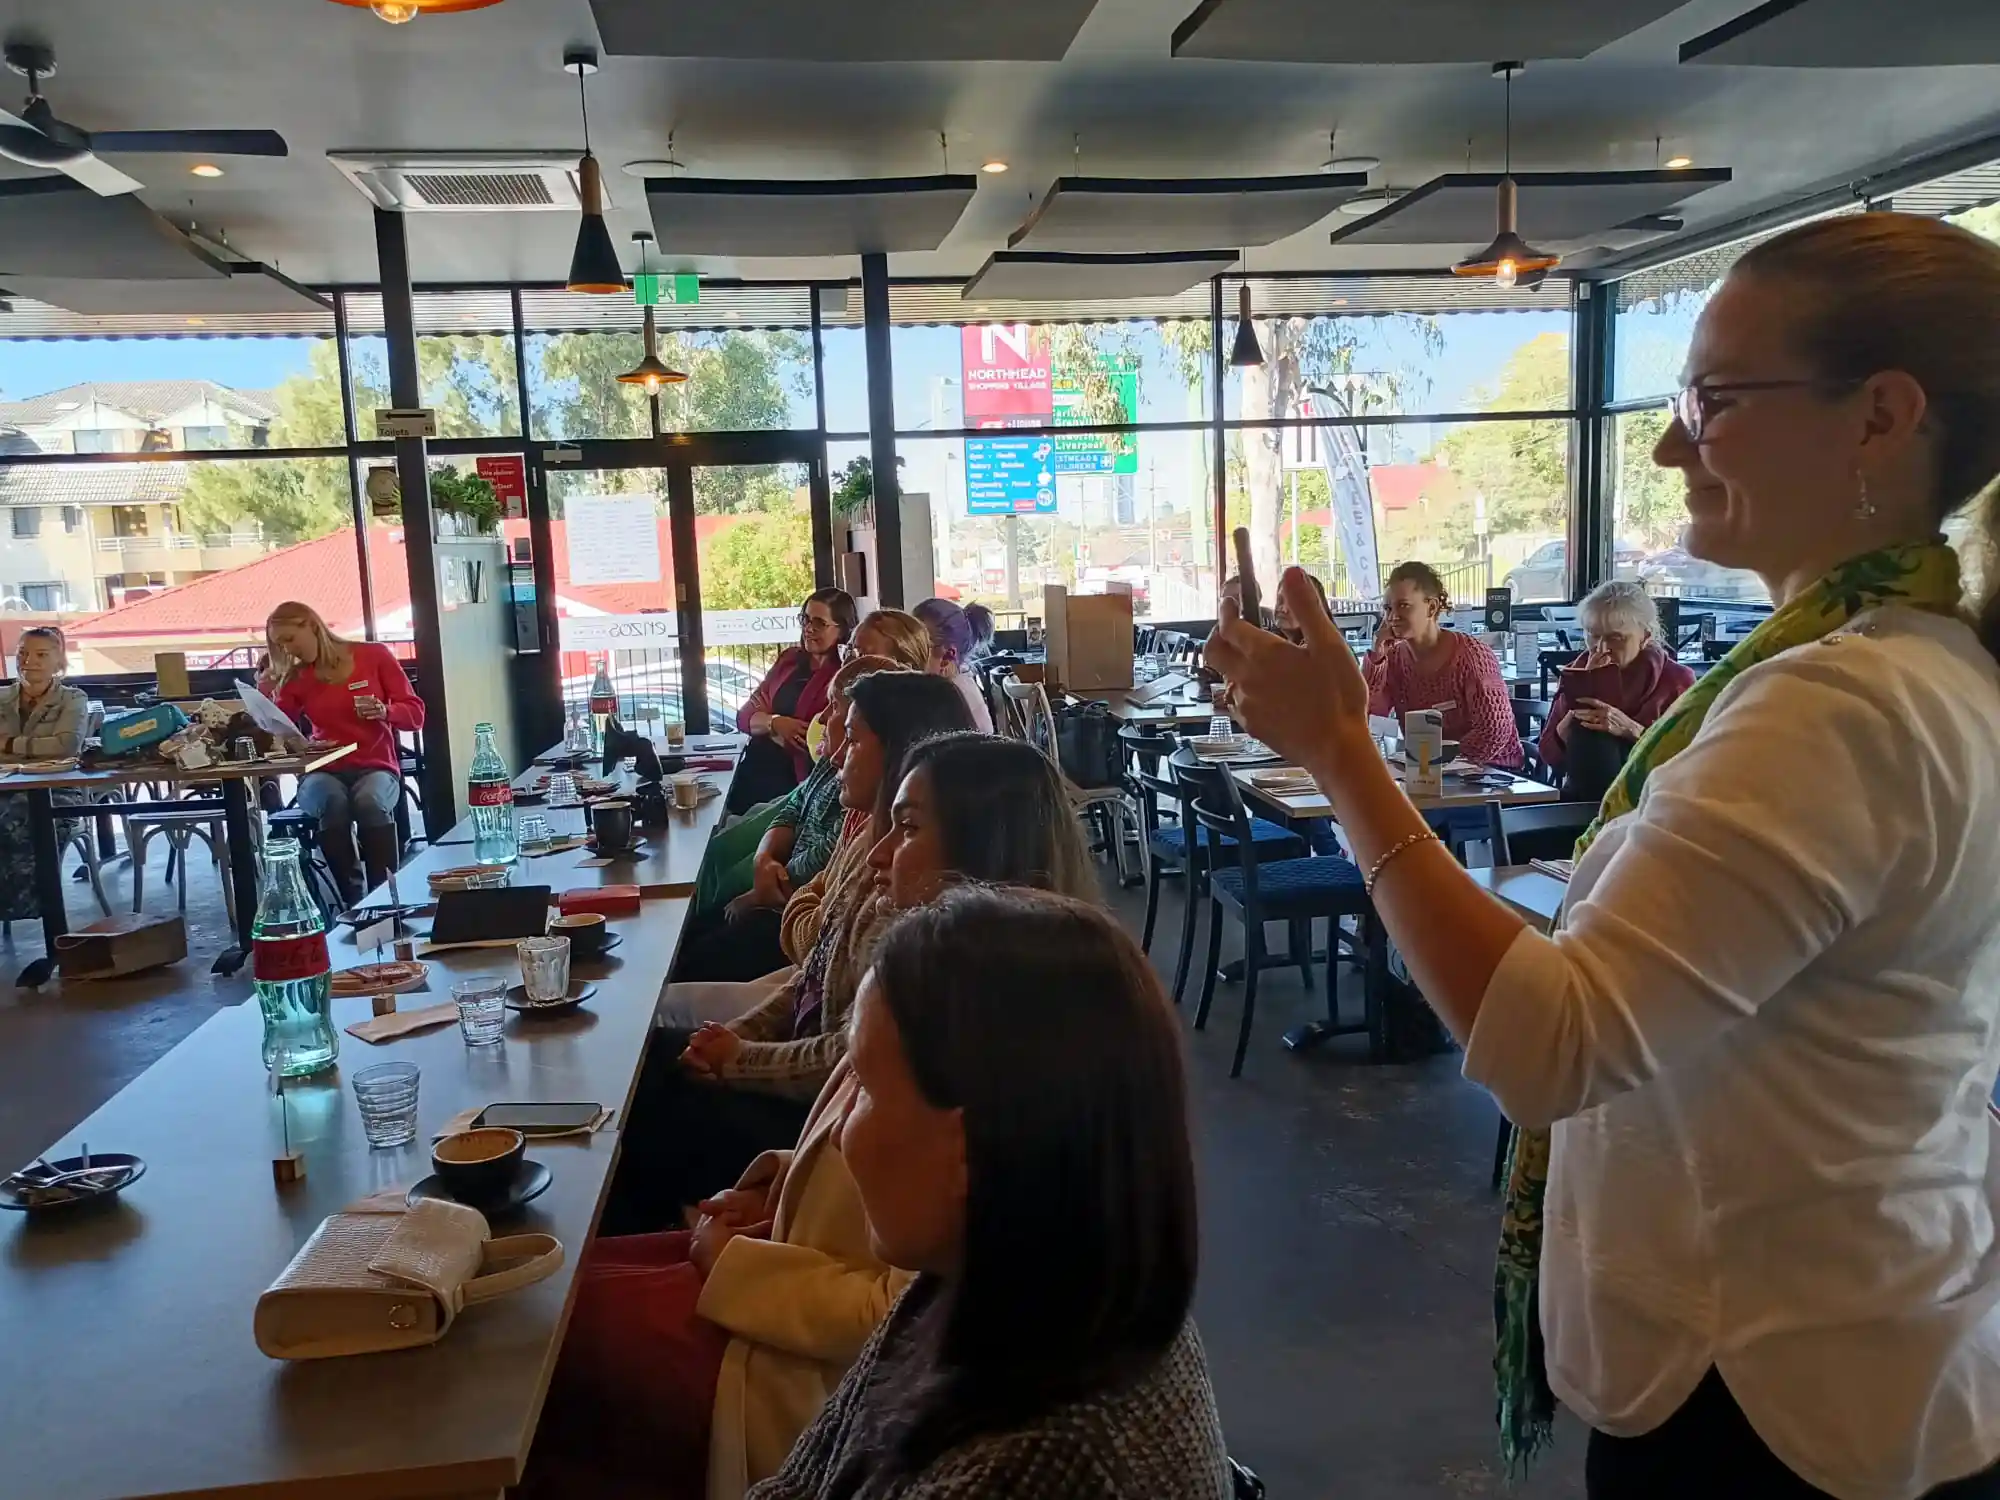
x=1417 y=663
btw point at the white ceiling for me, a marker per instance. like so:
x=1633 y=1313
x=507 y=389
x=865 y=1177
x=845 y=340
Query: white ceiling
x=335 y=78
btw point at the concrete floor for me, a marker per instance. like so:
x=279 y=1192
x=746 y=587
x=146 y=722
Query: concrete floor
x=1348 y=1226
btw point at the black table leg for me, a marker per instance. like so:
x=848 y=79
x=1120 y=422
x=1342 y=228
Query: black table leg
x=242 y=872
x=48 y=884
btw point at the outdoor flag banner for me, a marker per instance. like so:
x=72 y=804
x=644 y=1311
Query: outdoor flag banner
x=1353 y=500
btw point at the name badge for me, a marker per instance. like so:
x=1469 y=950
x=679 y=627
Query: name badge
x=358 y=687
x=1445 y=708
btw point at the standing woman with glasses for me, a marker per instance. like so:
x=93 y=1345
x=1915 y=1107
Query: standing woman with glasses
x=788 y=699
x=1757 y=1254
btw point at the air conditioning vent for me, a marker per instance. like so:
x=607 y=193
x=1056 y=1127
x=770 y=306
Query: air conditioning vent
x=471 y=190
x=478 y=182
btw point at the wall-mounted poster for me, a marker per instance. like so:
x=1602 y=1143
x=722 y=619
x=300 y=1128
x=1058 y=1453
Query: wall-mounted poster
x=613 y=538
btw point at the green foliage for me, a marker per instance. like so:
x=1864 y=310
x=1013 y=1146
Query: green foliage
x=1520 y=468
x=292 y=500
x=856 y=488
x=761 y=561
x=1651 y=501
x=457 y=493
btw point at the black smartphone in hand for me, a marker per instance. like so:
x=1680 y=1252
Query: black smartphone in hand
x=1246 y=573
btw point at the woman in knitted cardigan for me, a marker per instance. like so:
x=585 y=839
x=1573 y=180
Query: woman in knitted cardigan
x=1018 y=1067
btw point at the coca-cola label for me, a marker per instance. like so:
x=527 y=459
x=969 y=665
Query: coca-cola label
x=490 y=794
x=275 y=960
x=607 y=705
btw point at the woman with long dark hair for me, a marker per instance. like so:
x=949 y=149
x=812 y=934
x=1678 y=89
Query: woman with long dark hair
x=1018 y=1070
x=727 y=1339
x=710 y=1099
x=1750 y=1234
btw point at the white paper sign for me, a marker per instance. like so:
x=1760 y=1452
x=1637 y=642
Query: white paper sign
x=613 y=538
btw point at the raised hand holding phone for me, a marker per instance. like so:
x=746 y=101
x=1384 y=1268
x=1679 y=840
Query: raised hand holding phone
x=1246 y=574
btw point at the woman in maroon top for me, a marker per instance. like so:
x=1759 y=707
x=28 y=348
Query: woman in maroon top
x=349 y=692
x=1609 y=695
x=788 y=699
x=1417 y=663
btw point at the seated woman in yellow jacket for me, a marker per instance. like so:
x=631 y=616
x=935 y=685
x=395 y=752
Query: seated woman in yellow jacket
x=694 y=1360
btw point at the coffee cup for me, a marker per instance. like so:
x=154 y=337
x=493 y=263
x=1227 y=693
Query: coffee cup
x=587 y=933
x=687 y=791
x=477 y=1165
x=676 y=734
x=612 y=823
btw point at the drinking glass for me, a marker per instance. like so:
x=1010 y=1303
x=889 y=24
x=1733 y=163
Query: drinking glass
x=544 y=968
x=562 y=789
x=482 y=1008
x=1222 y=726
x=387 y=1094
x=535 y=834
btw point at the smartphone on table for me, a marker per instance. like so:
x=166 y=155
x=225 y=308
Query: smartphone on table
x=538 y=1119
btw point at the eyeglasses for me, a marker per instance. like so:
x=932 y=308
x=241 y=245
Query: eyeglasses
x=1694 y=405
x=815 y=622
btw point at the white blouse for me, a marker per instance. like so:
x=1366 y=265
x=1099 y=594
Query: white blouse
x=1767 y=1036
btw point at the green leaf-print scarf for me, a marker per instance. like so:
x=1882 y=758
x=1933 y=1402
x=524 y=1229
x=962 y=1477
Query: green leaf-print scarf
x=1920 y=575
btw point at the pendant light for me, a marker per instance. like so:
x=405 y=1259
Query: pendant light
x=1509 y=259
x=1247 y=351
x=400 y=12
x=594 y=267
x=651 y=372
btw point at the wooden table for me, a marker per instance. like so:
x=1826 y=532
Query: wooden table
x=1533 y=895
x=1311 y=802
x=232 y=776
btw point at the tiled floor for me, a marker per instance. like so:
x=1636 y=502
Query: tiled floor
x=1348 y=1224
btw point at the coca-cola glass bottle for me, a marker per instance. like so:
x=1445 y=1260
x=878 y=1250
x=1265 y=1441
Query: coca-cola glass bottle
x=490 y=791
x=291 y=969
x=603 y=702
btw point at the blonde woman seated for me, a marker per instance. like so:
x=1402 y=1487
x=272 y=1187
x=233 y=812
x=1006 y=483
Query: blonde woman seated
x=730 y=1338
x=41 y=718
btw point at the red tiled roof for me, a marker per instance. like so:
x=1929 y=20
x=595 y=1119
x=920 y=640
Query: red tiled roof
x=323 y=574
x=1398 y=487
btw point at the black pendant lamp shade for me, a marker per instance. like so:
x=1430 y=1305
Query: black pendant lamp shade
x=1509 y=260
x=594 y=266
x=652 y=372
x=1247 y=351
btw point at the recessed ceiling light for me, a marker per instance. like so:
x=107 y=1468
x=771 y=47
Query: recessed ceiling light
x=993 y=168
x=1350 y=164
x=1675 y=163
x=205 y=169
x=659 y=166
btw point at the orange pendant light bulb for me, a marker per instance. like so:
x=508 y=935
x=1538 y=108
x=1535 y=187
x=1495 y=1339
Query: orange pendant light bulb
x=401 y=12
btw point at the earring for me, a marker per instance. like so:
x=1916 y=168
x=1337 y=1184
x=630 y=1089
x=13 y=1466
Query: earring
x=1864 y=508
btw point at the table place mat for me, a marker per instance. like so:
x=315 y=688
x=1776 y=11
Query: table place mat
x=461 y=1122
x=378 y=1029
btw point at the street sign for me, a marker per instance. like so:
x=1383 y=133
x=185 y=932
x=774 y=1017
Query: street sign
x=1006 y=372
x=1098 y=452
x=1010 y=476
x=405 y=422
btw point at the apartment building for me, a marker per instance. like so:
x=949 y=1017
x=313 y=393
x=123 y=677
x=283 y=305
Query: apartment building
x=85 y=537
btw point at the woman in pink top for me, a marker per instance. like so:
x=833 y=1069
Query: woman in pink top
x=351 y=692
x=1417 y=663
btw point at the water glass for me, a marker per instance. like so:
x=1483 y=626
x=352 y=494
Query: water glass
x=562 y=789
x=544 y=969
x=387 y=1094
x=1222 y=726
x=535 y=834
x=482 y=1008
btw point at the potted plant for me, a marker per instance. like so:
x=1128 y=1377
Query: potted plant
x=463 y=504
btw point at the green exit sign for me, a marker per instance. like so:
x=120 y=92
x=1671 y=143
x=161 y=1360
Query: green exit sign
x=682 y=288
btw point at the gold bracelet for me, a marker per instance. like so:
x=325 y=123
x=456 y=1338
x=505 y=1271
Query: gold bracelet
x=1408 y=841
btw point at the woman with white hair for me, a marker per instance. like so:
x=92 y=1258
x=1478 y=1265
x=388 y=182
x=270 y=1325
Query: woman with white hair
x=1608 y=696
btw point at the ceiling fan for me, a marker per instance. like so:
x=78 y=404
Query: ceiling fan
x=36 y=138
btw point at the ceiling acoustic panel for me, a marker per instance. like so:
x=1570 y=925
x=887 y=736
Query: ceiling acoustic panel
x=245 y=289
x=1408 y=31
x=1156 y=214
x=741 y=218
x=1556 y=208
x=852 y=31
x=1064 y=276
x=50 y=226
x=1854 y=34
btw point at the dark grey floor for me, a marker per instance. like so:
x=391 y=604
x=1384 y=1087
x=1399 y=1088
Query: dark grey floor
x=1348 y=1226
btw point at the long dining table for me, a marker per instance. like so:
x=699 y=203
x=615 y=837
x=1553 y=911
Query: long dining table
x=126 y=1343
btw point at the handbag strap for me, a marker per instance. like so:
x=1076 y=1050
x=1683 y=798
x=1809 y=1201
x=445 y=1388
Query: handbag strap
x=544 y=1254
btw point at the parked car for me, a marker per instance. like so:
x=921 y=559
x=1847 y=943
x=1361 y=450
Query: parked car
x=655 y=688
x=1543 y=575
x=1677 y=571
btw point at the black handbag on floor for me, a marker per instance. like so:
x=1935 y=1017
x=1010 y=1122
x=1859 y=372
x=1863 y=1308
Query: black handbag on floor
x=1087 y=745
